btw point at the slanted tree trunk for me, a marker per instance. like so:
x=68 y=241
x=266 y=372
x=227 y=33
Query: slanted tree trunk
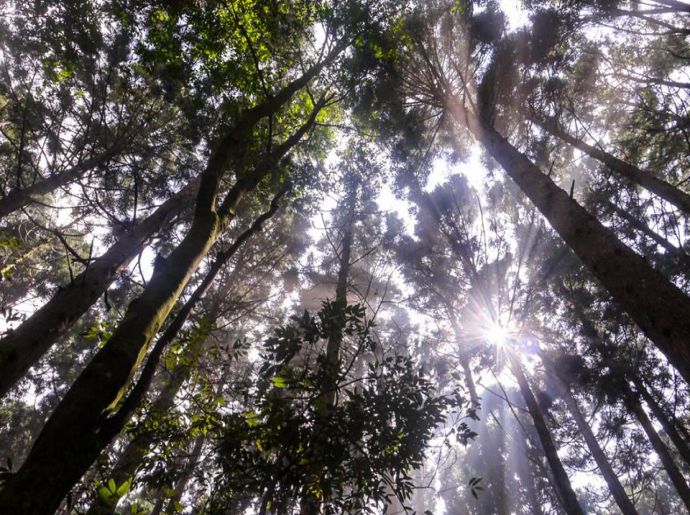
x=633 y=403
x=562 y=485
x=657 y=238
x=669 y=427
x=133 y=455
x=675 y=4
x=25 y=345
x=19 y=198
x=657 y=306
x=655 y=80
x=69 y=441
x=615 y=487
x=663 y=189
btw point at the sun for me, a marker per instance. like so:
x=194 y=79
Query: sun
x=497 y=335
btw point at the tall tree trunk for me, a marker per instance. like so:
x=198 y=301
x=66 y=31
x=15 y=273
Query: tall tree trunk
x=669 y=427
x=657 y=238
x=633 y=403
x=309 y=504
x=615 y=487
x=495 y=496
x=25 y=345
x=526 y=476
x=336 y=338
x=69 y=441
x=657 y=306
x=663 y=189
x=133 y=455
x=562 y=484
x=19 y=198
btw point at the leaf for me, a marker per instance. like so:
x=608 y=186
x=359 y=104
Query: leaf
x=105 y=495
x=279 y=382
x=124 y=487
x=112 y=486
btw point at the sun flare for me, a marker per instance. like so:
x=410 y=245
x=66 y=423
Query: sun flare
x=497 y=335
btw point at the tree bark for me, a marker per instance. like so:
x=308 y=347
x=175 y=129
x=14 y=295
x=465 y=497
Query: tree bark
x=657 y=306
x=20 y=198
x=562 y=485
x=669 y=427
x=25 y=345
x=615 y=487
x=633 y=402
x=663 y=189
x=69 y=441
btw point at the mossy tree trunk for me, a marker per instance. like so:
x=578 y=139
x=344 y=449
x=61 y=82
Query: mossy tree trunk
x=25 y=345
x=69 y=442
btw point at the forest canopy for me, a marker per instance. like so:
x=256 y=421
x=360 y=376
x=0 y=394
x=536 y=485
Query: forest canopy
x=357 y=256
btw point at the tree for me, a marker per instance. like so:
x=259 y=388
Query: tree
x=614 y=485
x=652 y=301
x=124 y=350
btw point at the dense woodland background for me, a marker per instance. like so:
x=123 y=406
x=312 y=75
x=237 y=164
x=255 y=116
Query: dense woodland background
x=355 y=256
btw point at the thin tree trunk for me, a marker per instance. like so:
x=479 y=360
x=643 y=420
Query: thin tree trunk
x=654 y=80
x=562 y=485
x=633 y=402
x=658 y=307
x=135 y=451
x=184 y=478
x=615 y=487
x=657 y=238
x=469 y=381
x=23 y=197
x=336 y=338
x=663 y=189
x=309 y=504
x=669 y=427
x=69 y=441
x=25 y=345
x=527 y=479
x=496 y=491
x=679 y=6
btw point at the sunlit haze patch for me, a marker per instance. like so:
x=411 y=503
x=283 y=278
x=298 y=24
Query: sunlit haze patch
x=516 y=16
